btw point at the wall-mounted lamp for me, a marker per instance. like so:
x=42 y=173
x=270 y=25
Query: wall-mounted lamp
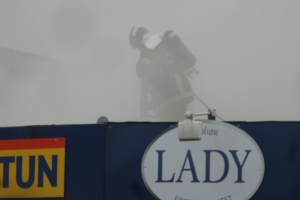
x=190 y=129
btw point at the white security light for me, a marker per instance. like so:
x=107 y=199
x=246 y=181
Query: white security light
x=189 y=129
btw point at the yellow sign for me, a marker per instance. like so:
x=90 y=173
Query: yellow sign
x=32 y=168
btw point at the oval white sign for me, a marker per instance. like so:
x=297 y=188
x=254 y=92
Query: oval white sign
x=226 y=164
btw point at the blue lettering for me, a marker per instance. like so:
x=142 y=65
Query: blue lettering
x=239 y=165
x=6 y=160
x=192 y=168
x=226 y=167
x=30 y=180
x=160 y=166
x=44 y=168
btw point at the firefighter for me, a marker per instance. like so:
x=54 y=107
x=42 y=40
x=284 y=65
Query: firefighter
x=163 y=68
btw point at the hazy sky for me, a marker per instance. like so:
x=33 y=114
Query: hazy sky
x=247 y=54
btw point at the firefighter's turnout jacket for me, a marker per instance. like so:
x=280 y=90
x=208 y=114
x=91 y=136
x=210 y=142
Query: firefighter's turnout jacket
x=162 y=71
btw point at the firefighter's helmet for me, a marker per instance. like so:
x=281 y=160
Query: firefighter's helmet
x=136 y=35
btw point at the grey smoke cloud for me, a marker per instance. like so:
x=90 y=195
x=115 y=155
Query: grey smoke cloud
x=74 y=64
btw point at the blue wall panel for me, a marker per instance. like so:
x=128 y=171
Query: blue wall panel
x=280 y=145
x=85 y=156
x=104 y=161
x=279 y=142
x=126 y=144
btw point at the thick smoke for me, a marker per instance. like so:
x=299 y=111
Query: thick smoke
x=70 y=62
